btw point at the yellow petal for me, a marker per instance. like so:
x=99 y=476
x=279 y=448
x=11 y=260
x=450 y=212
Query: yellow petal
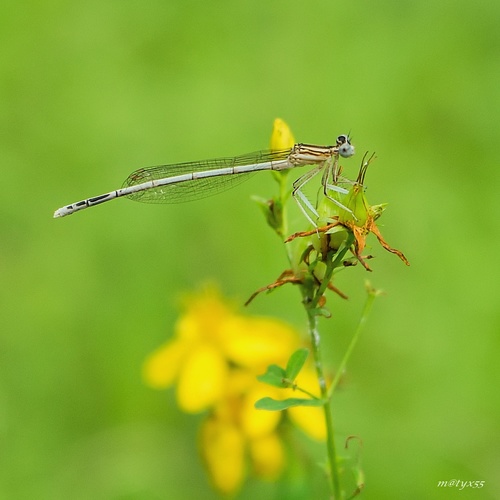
x=268 y=456
x=223 y=449
x=257 y=423
x=205 y=312
x=258 y=342
x=281 y=137
x=240 y=382
x=202 y=379
x=310 y=420
x=162 y=366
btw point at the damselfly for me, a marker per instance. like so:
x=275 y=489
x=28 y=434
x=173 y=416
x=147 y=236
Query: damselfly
x=194 y=180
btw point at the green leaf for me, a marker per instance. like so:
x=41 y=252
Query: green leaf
x=275 y=375
x=336 y=229
x=322 y=311
x=271 y=404
x=273 y=211
x=295 y=363
x=325 y=312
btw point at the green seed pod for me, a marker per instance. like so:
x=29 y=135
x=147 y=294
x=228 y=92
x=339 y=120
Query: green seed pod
x=356 y=200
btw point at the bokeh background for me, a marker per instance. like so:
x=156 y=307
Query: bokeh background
x=90 y=91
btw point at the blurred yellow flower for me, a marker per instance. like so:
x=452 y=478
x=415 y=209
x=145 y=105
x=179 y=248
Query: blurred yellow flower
x=223 y=449
x=236 y=433
x=210 y=338
x=193 y=359
x=267 y=456
x=214 y=359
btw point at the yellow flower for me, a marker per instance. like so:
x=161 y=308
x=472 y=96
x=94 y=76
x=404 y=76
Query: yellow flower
x=193 y=358
x=281 y=136
x=210 y=338
x=214 y=359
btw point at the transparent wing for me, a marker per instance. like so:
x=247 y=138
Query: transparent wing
x=199 y=188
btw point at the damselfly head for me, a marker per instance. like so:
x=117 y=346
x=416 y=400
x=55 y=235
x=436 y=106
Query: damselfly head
x=346 y=149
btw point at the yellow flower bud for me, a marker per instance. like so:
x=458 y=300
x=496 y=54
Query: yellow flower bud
x=281 y=137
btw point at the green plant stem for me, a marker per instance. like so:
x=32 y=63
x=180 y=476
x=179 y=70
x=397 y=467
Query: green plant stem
x=332 y=264
x=311 y=302
x=295 y=387
x=307 y=393
x=330 y=434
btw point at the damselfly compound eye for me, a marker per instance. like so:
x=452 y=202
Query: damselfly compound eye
x=346 y=149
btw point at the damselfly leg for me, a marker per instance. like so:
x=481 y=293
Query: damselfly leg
x=330 y=178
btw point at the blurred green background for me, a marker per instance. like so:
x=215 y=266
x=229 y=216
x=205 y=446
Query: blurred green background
x=90 y=91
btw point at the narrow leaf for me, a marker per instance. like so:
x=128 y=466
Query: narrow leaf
x=295 y=363
x=271 y=404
